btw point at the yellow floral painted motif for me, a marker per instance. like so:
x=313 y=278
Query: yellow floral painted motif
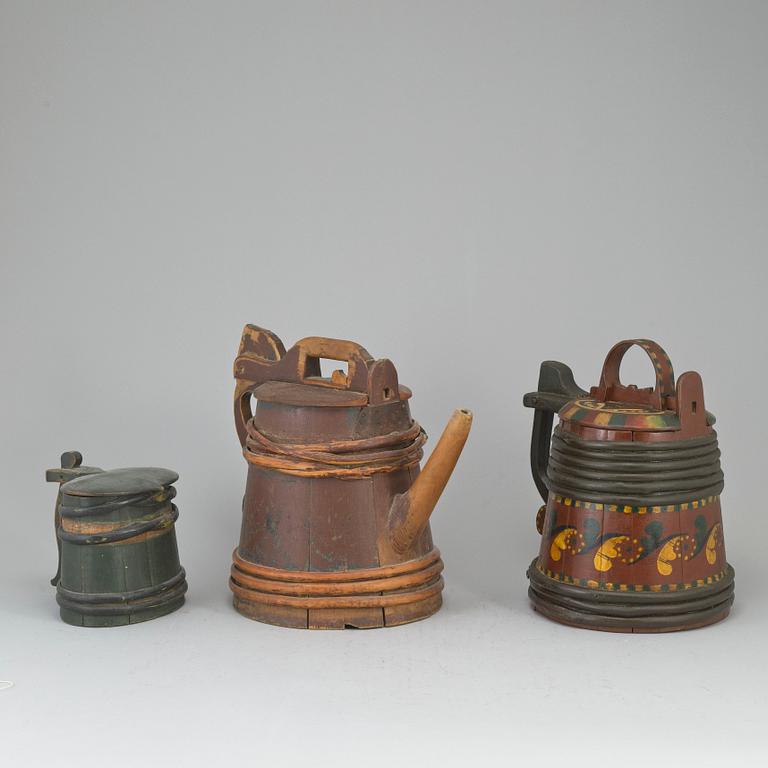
x=711 y=546
x=608 y=551
x=560 y=542
x=666 y=556
x=678 y=546
x=682 y=546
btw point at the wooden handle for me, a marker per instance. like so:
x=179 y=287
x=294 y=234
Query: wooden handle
x=611 y=388
x=262 y=357
x=259 y=351
x=556 y=388
x=314 y=348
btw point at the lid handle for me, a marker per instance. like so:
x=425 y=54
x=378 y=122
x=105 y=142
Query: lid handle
x=377 y=378
x=661 y=397
x=315 y=348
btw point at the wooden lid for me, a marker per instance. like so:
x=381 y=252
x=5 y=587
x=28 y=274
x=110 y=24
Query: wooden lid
x=264 y=369
x=121 y=482
x=673 y=409
x=286 y=393
x=589 y=412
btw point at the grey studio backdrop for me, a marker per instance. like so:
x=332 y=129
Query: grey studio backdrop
x=465 y=188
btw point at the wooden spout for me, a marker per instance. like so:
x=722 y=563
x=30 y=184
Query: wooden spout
x=410 y=511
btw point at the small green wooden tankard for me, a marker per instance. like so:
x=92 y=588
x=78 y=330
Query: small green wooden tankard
x=118 y=559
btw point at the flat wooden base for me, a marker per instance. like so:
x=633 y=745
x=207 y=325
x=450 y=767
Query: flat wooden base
x=330 y=618
x=361 y=599
x=641 y=612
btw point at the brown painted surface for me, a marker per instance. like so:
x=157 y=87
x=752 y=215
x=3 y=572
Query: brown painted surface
x=341 y=518
x=275 y=528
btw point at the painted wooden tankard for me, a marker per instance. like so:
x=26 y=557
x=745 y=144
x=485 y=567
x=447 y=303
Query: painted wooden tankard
x=631 y=531
x=118 y=559
x=335 y=527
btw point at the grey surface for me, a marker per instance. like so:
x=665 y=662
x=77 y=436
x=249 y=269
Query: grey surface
x=466 y=188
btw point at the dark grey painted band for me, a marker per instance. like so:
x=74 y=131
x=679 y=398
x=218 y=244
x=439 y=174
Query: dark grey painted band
x=634 y=473
x=586 y=607
x=120 y=603
x=73 y=506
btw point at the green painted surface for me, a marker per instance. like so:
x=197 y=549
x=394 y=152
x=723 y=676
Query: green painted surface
x=119 y=568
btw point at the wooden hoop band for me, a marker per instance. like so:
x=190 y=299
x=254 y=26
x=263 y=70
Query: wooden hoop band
x=337 y=458
x=297 y=469
x=404 y=583
x=315 y=577
x=299 y=589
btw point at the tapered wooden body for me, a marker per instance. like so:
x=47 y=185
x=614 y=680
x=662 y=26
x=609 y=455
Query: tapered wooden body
x=632 y=533
x=119 y=562
x=327 y=459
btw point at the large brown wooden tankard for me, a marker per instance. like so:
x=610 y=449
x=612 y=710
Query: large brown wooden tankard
x=631 y=531
x=335 y=528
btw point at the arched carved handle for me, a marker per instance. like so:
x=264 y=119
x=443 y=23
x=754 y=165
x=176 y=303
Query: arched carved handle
x=611 y=388
x=259 y=350
x=314 y=348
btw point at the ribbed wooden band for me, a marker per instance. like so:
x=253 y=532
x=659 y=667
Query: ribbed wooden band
x=315 y=577
x=404 y=583
x=634 y=473
x=368 y=601
x=305 y=589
